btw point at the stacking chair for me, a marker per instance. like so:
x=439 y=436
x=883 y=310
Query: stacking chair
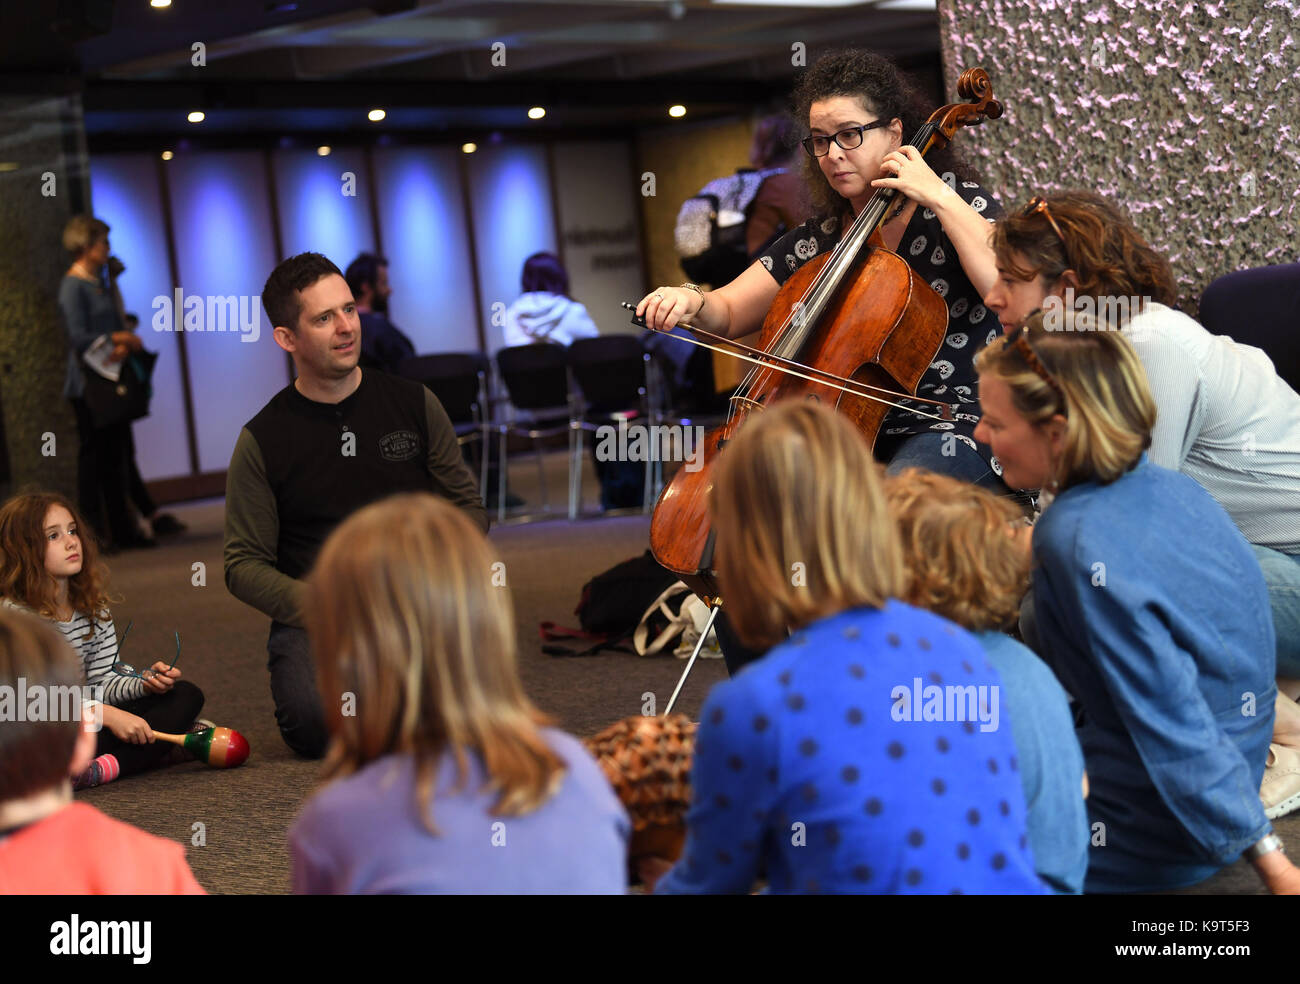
x=460 y=382
x=611 y=371
x=1259 y=307
x=536 y=378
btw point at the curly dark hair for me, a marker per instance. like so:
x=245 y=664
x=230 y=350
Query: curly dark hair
x=1102 y=246
x=297 y=273
x=885 y=92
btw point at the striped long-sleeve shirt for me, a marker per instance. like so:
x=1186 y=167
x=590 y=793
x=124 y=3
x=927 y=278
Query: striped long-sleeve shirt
x=98 y=652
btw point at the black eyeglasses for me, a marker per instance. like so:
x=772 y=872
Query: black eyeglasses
x=1020 y=343
x=848 y=139
x=127 y=670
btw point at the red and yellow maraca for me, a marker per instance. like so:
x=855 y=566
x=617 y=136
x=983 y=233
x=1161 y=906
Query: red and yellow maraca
x=221 y=748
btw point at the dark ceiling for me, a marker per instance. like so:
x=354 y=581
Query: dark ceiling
x=436 y=66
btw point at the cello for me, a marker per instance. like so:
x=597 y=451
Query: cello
x=855 y=328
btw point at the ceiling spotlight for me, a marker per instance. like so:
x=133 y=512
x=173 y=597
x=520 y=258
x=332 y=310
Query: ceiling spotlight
x=536 y=113
x=676 y=112
x=375 y=115
x=167 y=155
x=468 y=148
x=160 y=4
x=195 y=117
x=323 y=151
x=8 y=165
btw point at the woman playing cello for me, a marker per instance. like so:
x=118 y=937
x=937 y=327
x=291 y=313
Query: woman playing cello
x=859 y=111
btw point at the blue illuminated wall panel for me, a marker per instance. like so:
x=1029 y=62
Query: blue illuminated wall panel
x=225 y=248
x=316 y=214
x=422 y=220
x=125 y=194
x=513 y=218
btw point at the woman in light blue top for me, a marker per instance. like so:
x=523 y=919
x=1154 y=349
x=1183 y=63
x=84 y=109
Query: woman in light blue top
x=1151 y=610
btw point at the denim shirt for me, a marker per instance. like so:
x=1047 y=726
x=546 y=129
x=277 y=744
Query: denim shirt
x=88 y=312
x=1154 y=614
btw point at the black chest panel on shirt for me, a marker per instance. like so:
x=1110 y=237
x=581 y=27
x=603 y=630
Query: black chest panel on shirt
x=324 y=462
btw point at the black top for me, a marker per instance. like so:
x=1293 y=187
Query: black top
x=927 y=250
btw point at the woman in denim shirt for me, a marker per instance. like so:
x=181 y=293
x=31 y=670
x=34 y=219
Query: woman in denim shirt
x=1151 y=610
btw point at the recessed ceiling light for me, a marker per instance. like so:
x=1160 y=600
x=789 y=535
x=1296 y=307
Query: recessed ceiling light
x=536 y=113
x=167 y=155
x=468 y=148
x=8 y=165
x=375 y=115
x=160 y=4
x=196 y=117
x=677 y=111
x=323 y=150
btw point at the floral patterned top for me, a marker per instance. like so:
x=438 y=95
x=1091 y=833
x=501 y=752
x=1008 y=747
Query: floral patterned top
x=927 y=250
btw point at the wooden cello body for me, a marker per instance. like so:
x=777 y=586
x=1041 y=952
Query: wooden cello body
x=858 y=315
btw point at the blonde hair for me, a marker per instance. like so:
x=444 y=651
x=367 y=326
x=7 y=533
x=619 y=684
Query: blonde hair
x=803 y=528
x=1103 y=393
x=82 y=232
x=403 y=613
x=963 y=559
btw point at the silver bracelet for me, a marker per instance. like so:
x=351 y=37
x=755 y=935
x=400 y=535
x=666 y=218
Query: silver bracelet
x=695 y=287
x=1265 y=845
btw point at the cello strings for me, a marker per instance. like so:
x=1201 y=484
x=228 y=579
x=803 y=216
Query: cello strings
x=812 y=379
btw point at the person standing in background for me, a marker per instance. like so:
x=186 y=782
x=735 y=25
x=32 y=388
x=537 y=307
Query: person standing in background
x=89 y=314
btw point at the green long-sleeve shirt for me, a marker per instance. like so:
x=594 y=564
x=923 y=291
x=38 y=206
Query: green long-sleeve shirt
x=300 y=468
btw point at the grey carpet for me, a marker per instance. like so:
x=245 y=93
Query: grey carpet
x=245 y=812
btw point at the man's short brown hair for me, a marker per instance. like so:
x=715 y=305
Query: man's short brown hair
x=281 y=296
x=34 y=755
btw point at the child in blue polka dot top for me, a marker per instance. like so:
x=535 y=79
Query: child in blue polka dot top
x=868 y=751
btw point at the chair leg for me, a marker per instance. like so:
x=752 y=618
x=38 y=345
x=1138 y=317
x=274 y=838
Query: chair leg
x=484 y=453
x=541 y=477
x=501 y=481
x=575 y=471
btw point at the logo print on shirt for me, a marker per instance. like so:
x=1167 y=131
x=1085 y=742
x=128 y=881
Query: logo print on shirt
x=402 y=445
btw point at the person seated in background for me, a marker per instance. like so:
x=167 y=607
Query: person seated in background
x=442 y=777
x=1225 y=417
x=816 y=763
x=383 y=345
x=48 y=568
x=967 y=559
x=545 y=312
x=1151 y=609
x=50 y=845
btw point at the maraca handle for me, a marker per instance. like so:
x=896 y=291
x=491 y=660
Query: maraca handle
x=174 y=739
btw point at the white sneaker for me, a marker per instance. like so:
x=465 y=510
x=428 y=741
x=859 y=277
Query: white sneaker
x=1280 y=790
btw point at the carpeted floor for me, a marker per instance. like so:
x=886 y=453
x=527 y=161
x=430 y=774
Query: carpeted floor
x=234 y=822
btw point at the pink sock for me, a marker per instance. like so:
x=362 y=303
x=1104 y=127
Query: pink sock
x=103 y=769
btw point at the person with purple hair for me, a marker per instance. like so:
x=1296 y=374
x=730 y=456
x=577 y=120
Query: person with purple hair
x=545 y=312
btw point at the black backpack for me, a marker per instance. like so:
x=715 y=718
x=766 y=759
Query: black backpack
x=710 y=231
x=611 y=606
